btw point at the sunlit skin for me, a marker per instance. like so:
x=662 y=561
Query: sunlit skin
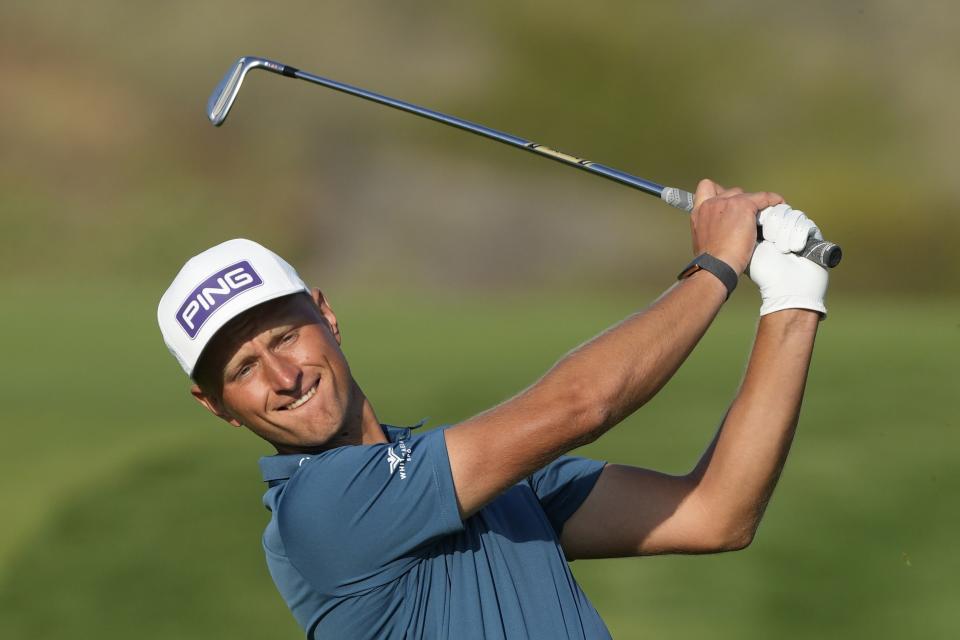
x=283 y=376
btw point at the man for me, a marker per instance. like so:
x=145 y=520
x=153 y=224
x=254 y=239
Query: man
x=465 y=532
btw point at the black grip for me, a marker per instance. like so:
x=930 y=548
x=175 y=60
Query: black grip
x=826 y=254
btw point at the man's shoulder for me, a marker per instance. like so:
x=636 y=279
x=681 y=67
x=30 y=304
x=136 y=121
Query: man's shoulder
x=355 y=472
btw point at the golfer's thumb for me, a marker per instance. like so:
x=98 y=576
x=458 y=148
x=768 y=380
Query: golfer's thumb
x=706 y=189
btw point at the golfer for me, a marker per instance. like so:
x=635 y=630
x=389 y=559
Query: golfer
x=467 y=531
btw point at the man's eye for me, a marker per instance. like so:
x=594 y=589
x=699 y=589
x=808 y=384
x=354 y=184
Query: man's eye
x=243 y=371
x=290 y=337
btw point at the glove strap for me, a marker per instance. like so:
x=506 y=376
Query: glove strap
x=719 y=268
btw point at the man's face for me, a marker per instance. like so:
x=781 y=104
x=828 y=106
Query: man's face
x=282 y=374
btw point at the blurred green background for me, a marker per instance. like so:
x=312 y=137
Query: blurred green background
x=461 y=270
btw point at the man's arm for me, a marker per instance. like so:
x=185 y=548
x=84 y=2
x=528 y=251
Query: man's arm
x=605 y=380
x=718 y=505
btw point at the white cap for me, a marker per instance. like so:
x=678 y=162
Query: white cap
x=216 y=286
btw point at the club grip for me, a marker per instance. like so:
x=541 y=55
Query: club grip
x=824 y=253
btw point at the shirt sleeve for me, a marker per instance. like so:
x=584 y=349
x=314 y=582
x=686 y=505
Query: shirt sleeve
x=357 y=517
x=563 y=485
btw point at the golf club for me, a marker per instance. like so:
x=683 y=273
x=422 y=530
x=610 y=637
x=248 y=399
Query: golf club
x=823 y=253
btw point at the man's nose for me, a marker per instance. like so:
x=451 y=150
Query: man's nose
x=282 y=373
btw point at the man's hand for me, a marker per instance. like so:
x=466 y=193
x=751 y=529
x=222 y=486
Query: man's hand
x=787 y=281
x=724 y=222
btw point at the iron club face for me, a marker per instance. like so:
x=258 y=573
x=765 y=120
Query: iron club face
x=225 y=93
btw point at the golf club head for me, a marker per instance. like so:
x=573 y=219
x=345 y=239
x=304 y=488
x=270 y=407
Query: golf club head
x=225 y=94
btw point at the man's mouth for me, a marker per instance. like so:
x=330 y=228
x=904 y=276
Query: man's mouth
x=305 y=398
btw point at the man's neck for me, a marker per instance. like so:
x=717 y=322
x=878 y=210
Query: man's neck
x=370 y=430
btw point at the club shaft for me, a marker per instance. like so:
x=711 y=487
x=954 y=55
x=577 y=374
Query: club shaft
x=610 y=173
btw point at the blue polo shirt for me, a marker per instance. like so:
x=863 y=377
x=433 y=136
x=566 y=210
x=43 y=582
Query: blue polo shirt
x=367 y=542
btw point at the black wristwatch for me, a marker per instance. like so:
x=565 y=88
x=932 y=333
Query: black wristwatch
x=719 y=268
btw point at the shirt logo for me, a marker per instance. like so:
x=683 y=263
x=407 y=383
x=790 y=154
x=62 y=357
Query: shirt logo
x=398 y=461
x=393 y=460
x=213 y=292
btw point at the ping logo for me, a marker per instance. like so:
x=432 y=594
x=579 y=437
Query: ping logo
x=213 y=292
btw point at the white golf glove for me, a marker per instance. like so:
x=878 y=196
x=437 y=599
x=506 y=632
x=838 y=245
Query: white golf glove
x=786 y=280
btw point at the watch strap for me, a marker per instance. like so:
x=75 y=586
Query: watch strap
x=718 y=268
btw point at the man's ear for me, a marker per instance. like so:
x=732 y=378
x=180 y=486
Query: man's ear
x=213 y=405
x=326 y=312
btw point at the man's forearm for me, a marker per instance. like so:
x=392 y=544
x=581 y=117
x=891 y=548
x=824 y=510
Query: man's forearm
x=624 y=367
x=582 y=396
x=737 y=474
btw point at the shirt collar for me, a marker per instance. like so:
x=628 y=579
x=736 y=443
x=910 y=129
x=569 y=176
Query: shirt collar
x=282 y=467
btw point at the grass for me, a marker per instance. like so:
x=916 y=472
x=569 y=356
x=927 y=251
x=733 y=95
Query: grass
x=128 y=512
